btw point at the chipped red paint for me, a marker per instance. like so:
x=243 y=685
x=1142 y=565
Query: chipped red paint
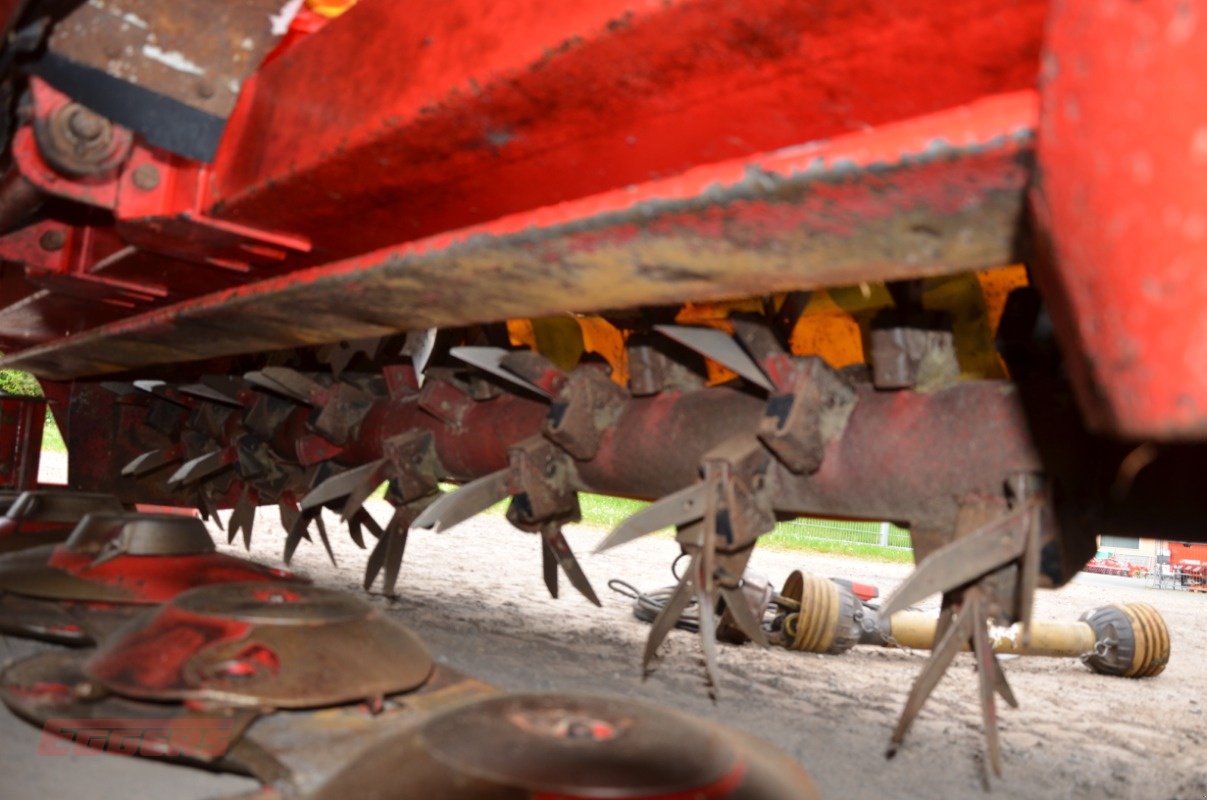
x=157 y=657
x=1122 y=197
x=151 y=580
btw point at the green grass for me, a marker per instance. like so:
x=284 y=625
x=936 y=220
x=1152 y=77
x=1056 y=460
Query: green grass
x=807 y=535
x=23 y=384
x=52 y=438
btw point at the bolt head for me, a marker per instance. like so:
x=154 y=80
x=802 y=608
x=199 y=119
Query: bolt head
x=52 y=240
x=146 y=177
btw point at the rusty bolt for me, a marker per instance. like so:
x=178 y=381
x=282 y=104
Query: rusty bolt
x=52 y=240
x=146 y=177
x=85 y=125
x=204 y=90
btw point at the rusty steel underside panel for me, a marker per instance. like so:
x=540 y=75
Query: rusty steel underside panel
x=931 y=196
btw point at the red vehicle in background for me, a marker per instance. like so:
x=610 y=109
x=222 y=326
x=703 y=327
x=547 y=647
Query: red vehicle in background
x=1188 y=562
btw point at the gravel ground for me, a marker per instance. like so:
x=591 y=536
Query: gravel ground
x=476 y=596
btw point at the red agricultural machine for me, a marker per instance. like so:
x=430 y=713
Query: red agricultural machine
x=933 y=263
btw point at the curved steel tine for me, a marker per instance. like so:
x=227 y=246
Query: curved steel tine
x=558 y=548
x=669 y=615
x=676 y=509
x=720 y=347
x=936 y=667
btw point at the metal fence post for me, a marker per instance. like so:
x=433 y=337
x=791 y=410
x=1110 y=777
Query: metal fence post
x=884 y=528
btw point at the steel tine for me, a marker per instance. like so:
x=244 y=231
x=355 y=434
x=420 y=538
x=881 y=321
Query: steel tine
x=204 y=392
x=390 y=548
x=396 y=547
x=377 y=558
x=338 y=486
x=720 y=347
x=1002 y=685
x=679 y=508
x=243 y=517
x=964 y=560
x=322 y=529
x=152 y=387
x=370 y=524
x=289 y=512
x=262 y=381
x=208 y=512
x=423 y=353
x=743 y=616
x=354 y=532
x=987 y=669
x=152 y=460
x=472 y=498
x=226 y=385
x=559 y=548
x=668 y=616
x=364 y=489
x=548 y=567
x=200 y=467
x=248 y=524
x=294 y=537
x=488 y=359
x=294 y=383
x=936 y=667
x=708 y=624
x=1029 y=574
x=395 y=536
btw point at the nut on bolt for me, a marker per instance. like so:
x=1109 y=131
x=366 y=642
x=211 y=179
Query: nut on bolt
x=78 y=142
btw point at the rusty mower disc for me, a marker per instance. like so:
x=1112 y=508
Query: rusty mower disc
x=50 y=690
x=47 y=516
x=141 y=559
x=514 y=747
x=284 y=646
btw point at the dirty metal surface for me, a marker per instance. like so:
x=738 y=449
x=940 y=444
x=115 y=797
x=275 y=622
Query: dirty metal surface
x=292 y=750
x=72 y=624
x=304 y=749
x=265 y=646
x=567 y=746
x=1124 y=217
x=128 y=558
x=169 y=69
x=59 y=506
x=531 y=105
x=929 y=196
x=51 y=691
x=43 y=517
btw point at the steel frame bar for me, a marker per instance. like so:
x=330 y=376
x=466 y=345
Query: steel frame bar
x=928 y=196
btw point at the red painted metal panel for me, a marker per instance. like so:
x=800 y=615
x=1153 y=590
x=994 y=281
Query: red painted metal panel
x=398 y=121
x=21 y=421
x=1122 y=196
